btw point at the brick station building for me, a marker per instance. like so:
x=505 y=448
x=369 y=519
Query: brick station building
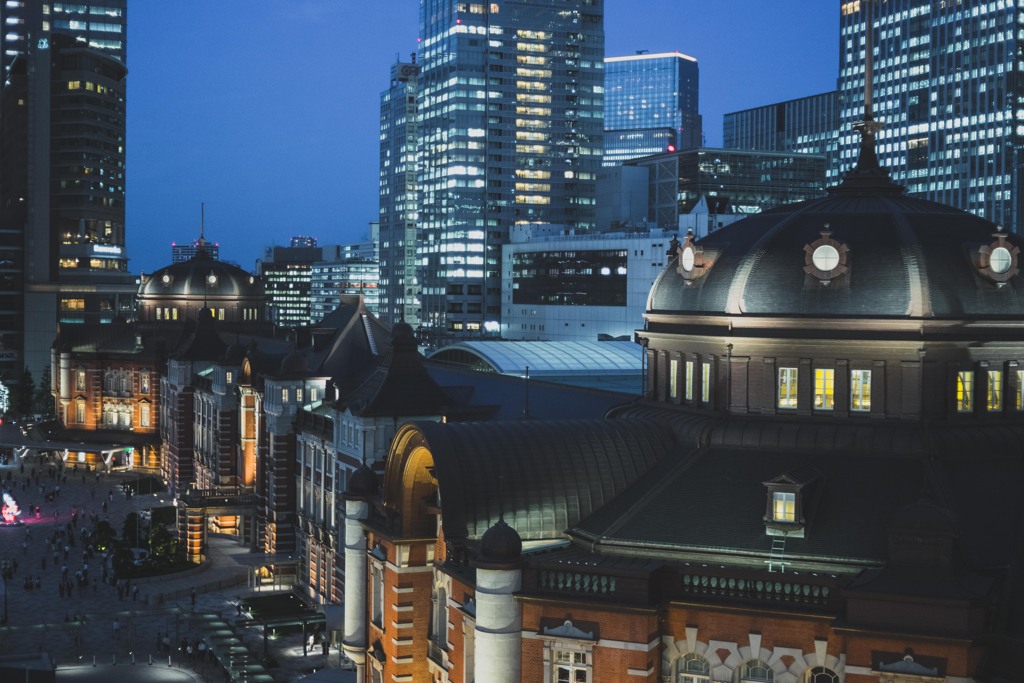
x=821 y=484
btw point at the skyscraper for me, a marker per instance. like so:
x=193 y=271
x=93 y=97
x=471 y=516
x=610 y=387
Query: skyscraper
x=947 y=87
x=650 y=105
x=806 y=125
x=510 y=100
x=399 y=287
x=99 y=24
x=62 y=140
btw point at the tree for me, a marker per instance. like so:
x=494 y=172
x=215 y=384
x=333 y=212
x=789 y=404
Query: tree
x=162 y=544
x=25 y=392
x=43 y=400
x=103 y=535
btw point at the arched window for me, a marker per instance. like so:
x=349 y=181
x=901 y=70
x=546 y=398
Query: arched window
x=692 y=668
x=439 y=620
x=820 y=674
x=756 y=671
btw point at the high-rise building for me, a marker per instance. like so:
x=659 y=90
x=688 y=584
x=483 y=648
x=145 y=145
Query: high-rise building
x=737 y=181
x=332 y=282
x=99 y=24
x=399 y=286
x=183 y=252
x=947 y=88
x=287 y=275
x=807 y=125
x=650 y=105
x=510 y=107
x=62 y=166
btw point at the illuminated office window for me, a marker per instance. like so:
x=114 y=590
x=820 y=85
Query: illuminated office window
x=860 y=390
x=787 y=389
x=824 y=389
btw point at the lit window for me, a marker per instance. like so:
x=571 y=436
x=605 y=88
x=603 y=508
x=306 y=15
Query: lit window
x=284 y=395
x=994 y=395
x=964 y=389
x=1020 y=390
x=673 y=378
x=689 y=380
x=144 y=415
x=80 y=381
x=228 y=376
x=298 y=395
x=80 y=412
x=824 y=388
x=787 y=390
x=783 y=506
x=705 y=382
x=860 y=390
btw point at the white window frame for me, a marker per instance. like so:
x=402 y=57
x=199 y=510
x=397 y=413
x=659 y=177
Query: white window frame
x=705 y=382
x=858 y=393
x=963 y=393
x=825 y=380
x=994 y=391
x=788 y=377
x=673 y=378
x=689 y=380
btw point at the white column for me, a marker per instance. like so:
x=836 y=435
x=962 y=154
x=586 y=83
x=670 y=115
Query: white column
x=354 y=636
x=499 y=625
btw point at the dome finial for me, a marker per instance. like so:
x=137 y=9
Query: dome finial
x=202 y=227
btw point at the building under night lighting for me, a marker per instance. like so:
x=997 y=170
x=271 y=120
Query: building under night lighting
x=650 y=105
x=510 y=96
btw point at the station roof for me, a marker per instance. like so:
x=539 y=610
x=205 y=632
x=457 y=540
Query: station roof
x=545 y=358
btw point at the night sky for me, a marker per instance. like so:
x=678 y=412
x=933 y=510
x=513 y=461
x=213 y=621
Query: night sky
x=267 y=110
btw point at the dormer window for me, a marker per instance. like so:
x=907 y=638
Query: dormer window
x=787 y=495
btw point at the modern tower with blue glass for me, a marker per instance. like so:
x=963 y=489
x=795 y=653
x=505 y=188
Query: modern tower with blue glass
x=650 y=105
x=510 y=98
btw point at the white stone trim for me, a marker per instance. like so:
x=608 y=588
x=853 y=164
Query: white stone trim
x=640 y=672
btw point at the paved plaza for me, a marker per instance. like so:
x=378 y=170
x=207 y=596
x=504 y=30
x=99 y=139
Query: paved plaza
x=77 y=628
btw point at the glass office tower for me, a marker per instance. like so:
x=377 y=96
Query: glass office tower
x=62 y=166
x=511 y=95
x=650 y=105
x=399 y=289
x=806 y=125
x=946 y=86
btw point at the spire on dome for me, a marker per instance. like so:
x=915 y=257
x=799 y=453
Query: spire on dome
x=868 y=176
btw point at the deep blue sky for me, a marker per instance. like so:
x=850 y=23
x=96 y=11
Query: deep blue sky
x=267 y=110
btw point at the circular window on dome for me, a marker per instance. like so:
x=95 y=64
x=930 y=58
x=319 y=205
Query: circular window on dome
x=211 y=279
x=252 y=280
x=166 y=279
x=998 y=261
x=826 y=259
x=687 y=259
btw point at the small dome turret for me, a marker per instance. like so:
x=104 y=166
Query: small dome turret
x=362 y=483
x=500 y=545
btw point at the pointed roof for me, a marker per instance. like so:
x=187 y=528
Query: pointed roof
x=399 y=385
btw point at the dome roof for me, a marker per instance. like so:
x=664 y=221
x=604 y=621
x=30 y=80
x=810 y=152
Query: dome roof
x=362 y=483
x=853 y=254
x=294 y=364
x=201 y=275
x=500 y=544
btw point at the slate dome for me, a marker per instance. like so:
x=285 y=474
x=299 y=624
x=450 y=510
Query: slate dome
x=866 y=254
x=362 y=483
x=201 y=275
x=500 y=544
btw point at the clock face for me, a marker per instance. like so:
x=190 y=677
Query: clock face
x=688 y=259
x=1000 y=260
x=166 y=279
x=211 y=279
x=825 y=258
